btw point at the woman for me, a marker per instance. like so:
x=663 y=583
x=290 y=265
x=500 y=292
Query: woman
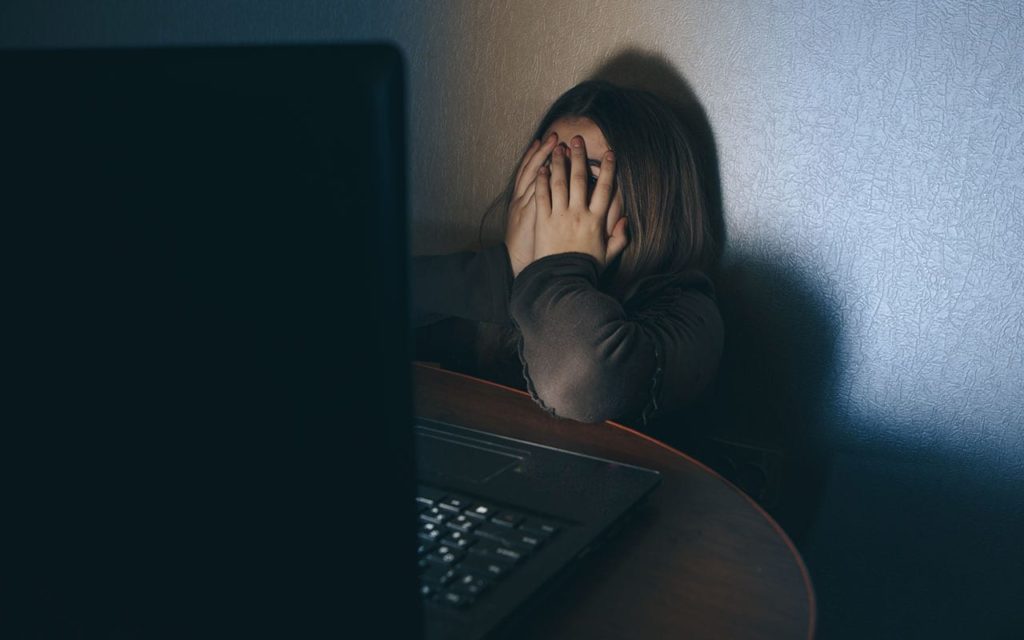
x=596 y=303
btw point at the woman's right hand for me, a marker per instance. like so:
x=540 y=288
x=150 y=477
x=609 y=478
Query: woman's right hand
x=522 y=211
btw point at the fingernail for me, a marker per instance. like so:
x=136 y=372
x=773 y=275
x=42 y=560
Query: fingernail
x=610 y=155
x=577 y=141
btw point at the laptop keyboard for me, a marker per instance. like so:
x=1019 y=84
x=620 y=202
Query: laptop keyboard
x=467 y=546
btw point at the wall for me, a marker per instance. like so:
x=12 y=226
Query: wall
x=873 y=184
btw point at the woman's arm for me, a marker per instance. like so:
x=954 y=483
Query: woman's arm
x=586 y=359
x=470 y=285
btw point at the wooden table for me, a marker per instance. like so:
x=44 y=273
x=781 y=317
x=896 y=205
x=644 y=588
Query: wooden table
x=701 y=560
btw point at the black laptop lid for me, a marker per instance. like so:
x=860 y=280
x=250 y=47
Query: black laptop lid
x=206 y=356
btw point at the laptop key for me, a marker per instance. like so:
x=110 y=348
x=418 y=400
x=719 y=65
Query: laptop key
x=454 y=504
x=458 y=540
x=538 y=527
x=480 y=512
x=444 y=555
x=462 y=523
x=429 y=532
x=437 y=575
x=435 y=515
x=507 y=551
x=469 y=584
x=530 y=540
x=455 y=599
x=499 y=534
x=492 y=551
x=507 y=519
x=493 y=568
x=485 y=548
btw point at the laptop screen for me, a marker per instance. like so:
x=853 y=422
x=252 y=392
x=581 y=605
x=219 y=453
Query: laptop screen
x=207 y=350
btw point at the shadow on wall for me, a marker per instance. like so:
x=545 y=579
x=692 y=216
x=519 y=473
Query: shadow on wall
x=768 y=409
x=759 y=425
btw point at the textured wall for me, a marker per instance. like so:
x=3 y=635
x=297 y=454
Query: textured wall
x=875 y=150
x=873 y=184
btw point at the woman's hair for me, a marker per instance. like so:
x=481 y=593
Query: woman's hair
x=657 y=172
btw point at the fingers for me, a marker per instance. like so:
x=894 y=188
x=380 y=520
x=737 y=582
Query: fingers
x=602 y=195
x=559 y=186
x=530 y=190
x=526 y=160
x=528 y=211
x=614 y=212
x=534 y=157
x=543 y=193
x=617 y=241
x=578 y=176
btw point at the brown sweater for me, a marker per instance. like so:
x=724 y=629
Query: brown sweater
x=579 y=352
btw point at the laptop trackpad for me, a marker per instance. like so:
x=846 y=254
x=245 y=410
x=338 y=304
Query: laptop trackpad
x=463 y=458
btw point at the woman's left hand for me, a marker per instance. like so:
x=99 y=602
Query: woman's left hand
x=566 y=221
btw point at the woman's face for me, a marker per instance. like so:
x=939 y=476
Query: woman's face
x=595 y=145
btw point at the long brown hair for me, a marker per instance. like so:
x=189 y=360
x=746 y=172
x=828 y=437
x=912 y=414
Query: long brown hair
x=657 y=172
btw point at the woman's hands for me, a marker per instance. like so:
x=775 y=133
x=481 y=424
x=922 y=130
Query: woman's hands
x=565 y=221
x=550 y=212
x=522 y=212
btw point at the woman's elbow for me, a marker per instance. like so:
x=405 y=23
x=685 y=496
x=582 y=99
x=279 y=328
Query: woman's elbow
x=584 y=399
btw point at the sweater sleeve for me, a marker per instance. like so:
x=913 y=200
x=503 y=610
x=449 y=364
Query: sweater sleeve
x=585 y=358
x=469 y=285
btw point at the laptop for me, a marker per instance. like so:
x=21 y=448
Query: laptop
x=208 y=428
x=502 y=521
